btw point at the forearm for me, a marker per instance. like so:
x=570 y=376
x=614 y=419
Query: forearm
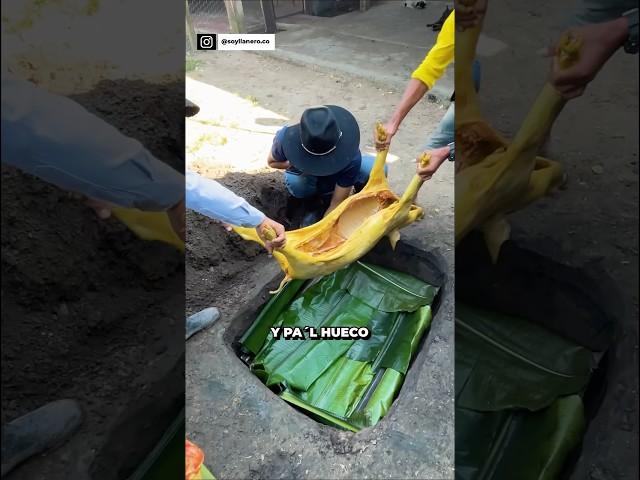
x=331 y=207
x=413 y=93
x=279 y=165
x=55 y=139
x=213 y=200
x=339 y=195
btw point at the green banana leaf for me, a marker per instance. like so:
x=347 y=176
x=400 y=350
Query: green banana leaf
x=380 y=401
x=205 y=474
x=340 y=389
x=166 y=460
x=387 y=290
x=519 y=410
x=402 y=342
x=520 y=444
x=299 y=363
x=254 y=337
x=346 y=383
x=505 y=362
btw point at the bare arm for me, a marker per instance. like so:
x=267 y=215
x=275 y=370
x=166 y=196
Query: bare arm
x=273 y=163
x=438 y=157
x=339 y=195
x=423 y=78
x=413 y=93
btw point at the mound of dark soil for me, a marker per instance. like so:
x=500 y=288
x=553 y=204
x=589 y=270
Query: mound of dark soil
x=88 y=310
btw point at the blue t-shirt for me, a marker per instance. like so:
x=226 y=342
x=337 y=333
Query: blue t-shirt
x=344 y=178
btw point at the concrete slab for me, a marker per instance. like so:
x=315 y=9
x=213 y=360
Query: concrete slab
x=384 y=44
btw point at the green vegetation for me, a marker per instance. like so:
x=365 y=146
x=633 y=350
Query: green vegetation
x=200 y=142
x=206 y=139
x=211 y=123
x=192 y=64
x=252 y=99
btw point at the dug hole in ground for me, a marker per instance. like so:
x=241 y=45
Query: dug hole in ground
x=593 y=221
x=245 y=430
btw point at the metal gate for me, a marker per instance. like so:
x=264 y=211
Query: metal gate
x=208 y=16
x=285 y=8
x=212 y=16
x=257 y=16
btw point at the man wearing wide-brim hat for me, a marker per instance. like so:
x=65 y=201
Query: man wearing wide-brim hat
x=321 y=155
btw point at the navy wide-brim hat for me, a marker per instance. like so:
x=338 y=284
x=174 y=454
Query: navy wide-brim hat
x=326 y=141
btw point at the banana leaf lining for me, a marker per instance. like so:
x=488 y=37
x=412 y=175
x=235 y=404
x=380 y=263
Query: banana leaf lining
x=519 y=406
x=349 y=384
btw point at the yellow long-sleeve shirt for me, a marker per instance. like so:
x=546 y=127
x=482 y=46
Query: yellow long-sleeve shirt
x=440 y=55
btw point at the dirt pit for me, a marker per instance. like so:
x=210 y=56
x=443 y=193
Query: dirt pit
x=406 y=258
x=89 y=311
x=217 y=259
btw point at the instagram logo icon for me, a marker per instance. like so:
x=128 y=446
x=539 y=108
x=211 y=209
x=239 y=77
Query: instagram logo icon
x=206 y=41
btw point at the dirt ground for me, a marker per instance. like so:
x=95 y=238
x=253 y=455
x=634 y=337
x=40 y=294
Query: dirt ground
x=284 y=90
x=89 y=311
x=227 y=410
x=596 y=217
